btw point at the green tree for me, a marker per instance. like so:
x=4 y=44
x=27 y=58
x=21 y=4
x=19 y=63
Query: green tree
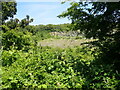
x=25 y=22
x=100 y=20
x=12 y=23
x=8 y=10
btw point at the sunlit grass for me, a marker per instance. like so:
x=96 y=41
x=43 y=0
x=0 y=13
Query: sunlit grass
x=63 y=43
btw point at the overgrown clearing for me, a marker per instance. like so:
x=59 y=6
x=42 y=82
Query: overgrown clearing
x=61 y=56
x=63 y=43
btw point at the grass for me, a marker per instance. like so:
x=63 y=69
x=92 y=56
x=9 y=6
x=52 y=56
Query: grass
x=62 y=43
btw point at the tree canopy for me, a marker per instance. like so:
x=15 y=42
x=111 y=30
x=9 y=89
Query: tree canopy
x=100 y=20
x=8 y=10
x=95 y=19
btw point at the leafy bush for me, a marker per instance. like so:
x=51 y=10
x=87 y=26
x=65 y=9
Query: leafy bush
x=41 y=68
x=41 y=35
x=45 y=67
x=16 y=39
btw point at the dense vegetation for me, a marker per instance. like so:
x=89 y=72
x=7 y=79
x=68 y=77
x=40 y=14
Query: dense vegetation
x=88 y=66
x=99 y=20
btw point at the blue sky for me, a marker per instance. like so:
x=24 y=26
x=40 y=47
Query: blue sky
x=42 y=12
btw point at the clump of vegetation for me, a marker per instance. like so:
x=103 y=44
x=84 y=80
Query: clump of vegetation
x=98 y=20
x=46 y=67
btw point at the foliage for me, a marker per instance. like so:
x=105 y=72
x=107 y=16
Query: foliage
x=12 y=23
x=8 y=10
x=37 y=69
x=99 y=20
x=51 y=27
x=41 y=35
x=25 y=22
x=95 y=19
x=15 y=23
x=17 y=40
x=16 y=34
x=26 y=65
x=45 y=67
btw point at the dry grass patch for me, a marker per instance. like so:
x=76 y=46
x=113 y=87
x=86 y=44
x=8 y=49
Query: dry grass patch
x=63 y=43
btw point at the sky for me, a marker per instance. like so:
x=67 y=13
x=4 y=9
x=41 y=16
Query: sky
x=42 y=12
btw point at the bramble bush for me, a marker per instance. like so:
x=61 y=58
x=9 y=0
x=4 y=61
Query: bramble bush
x=41 y=69
x=46 y=67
